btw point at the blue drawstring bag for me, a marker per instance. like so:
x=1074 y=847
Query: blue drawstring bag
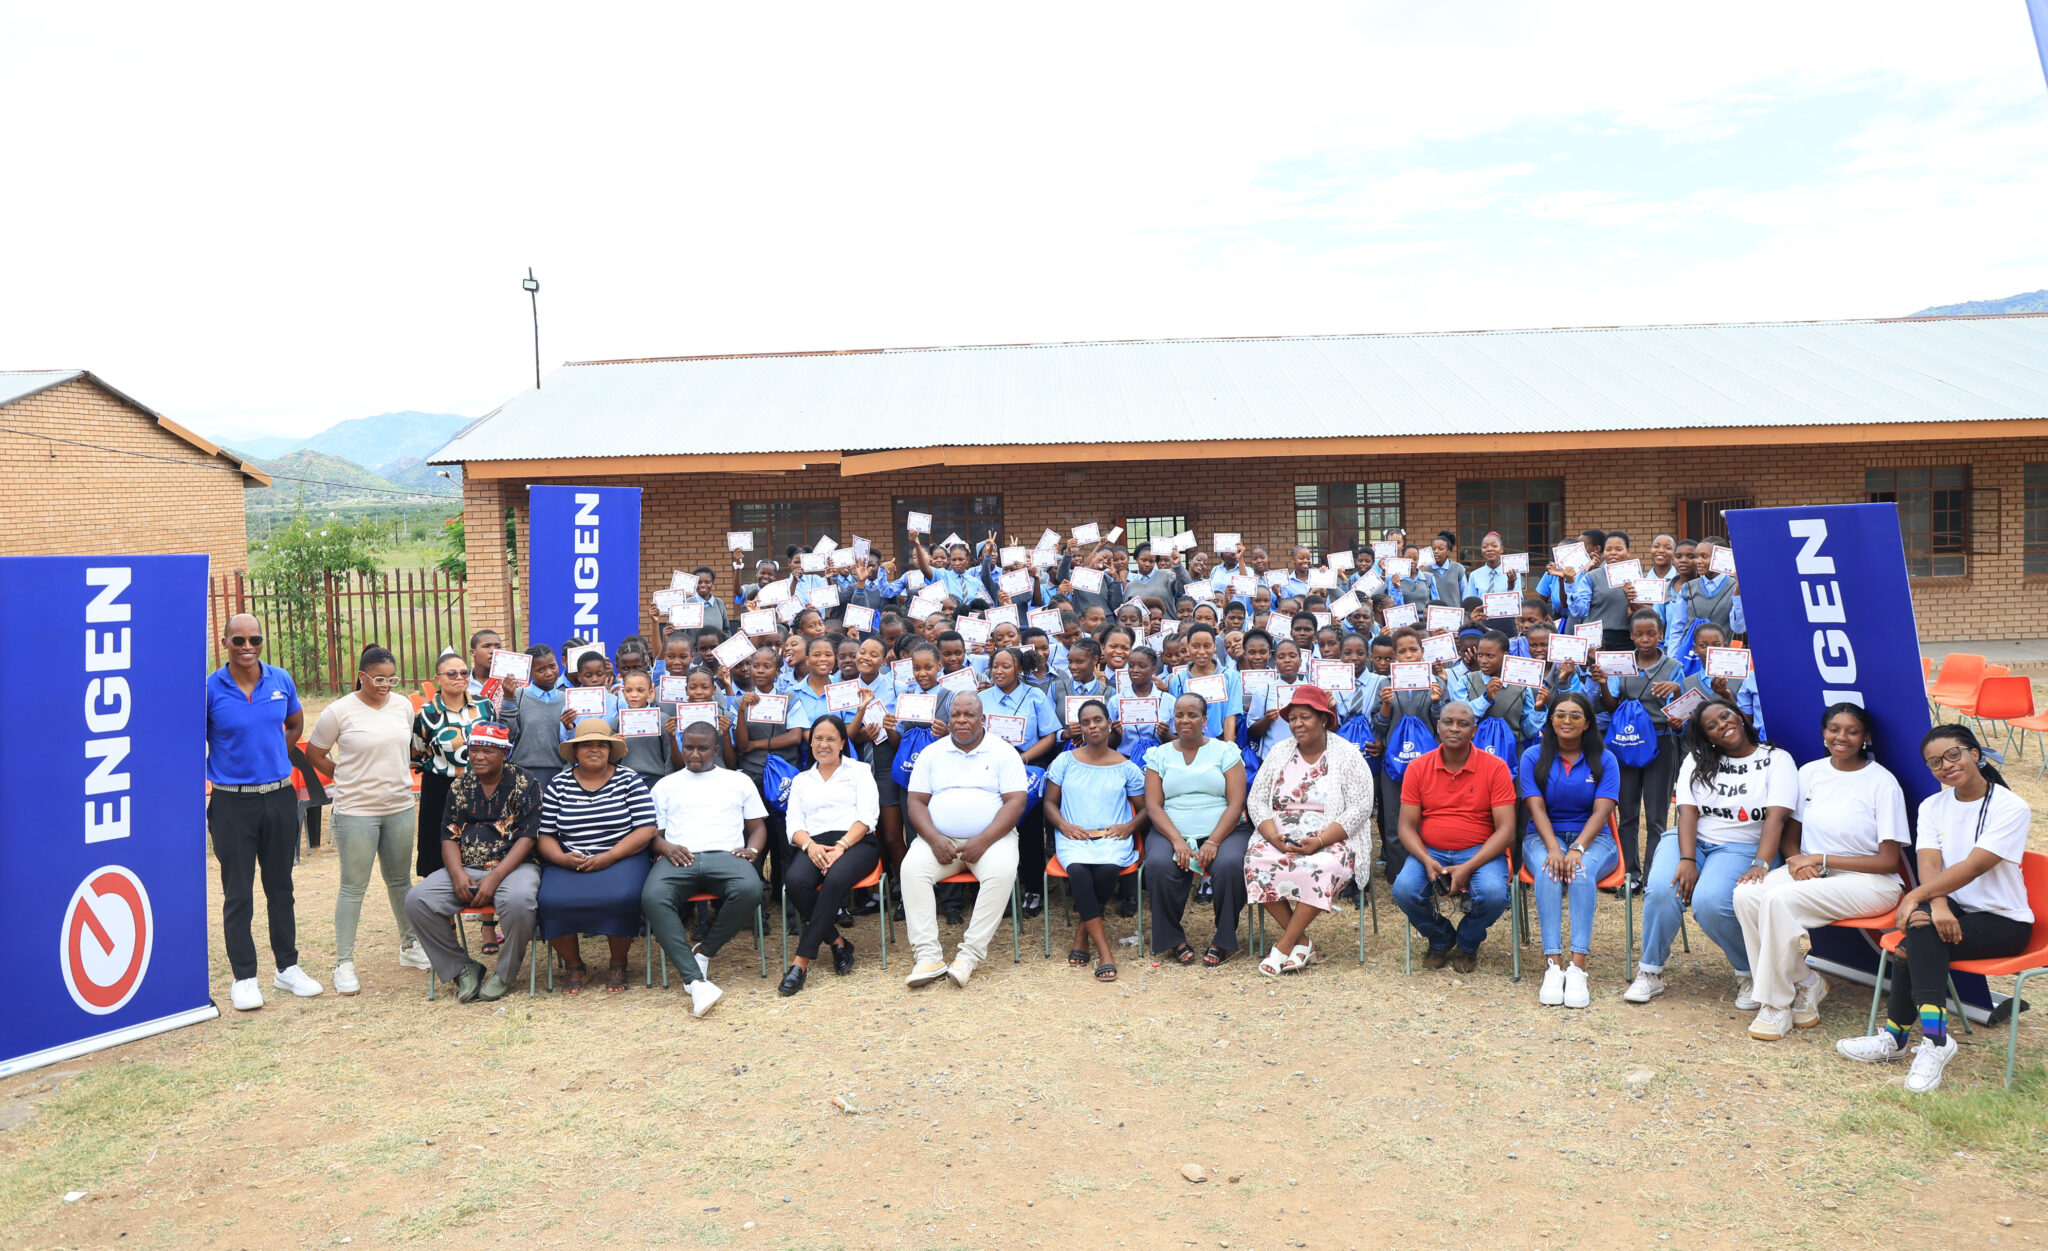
x=1409 y=739
x=1034 y=788
x=777 y=774
x=1251 y=767
x=1688 y=657
x=1632 y=735
x=1494 y=736
x=1357 y=731
x=916 y=737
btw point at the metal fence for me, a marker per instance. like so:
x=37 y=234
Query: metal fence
x=318 y=632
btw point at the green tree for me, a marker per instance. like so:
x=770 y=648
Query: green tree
x=297 y=560
x=455 y=562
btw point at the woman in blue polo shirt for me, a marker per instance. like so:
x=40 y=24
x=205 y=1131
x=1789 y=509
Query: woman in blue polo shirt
x=1571 y=783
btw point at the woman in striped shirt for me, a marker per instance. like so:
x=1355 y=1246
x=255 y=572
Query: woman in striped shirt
x=596 y=823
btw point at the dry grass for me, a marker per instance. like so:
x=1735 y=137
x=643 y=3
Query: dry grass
x=1345 y=1107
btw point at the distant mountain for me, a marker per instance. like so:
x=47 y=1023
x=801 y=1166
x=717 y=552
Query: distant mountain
x=420 y=476
x=2031 y=302
x=381 y=442
x=326 y=481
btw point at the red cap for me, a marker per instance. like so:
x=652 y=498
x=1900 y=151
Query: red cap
x=1309 y=696
x=490 y=734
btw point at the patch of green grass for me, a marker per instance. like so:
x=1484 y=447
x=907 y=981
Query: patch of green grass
x=2011 y=1126
x=89 y=1130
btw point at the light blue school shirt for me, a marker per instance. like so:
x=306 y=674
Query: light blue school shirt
x=1484 y=580
x=1232 y=704
x=966 y=587
x=612 y=704
x=1024 y=701
x=1137 y=740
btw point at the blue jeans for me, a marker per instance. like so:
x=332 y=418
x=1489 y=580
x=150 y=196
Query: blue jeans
x=1489 y=899
x=1713 y=901
x=1599 y=861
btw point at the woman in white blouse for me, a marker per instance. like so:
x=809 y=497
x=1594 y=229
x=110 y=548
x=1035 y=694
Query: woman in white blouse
x=833 y=807
x=1843 y=850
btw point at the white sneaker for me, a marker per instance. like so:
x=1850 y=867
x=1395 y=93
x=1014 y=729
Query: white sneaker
x=1745 y=995
x=246 y=995
x=1771 y=1024
x=1806 y=997
x=703 y=964
x=926 y=972
x=702 y=996
x=1928 y=1062
x=1577 y=994
x=1646 y=987
x=960 y=970
x=1878 y=1048
x=1552 y=993
x=294 y=979
x=345 y=982
x=413 y=956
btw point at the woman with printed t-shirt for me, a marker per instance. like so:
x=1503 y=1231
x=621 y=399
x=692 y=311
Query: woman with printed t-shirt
x=1734 y=798
x=1971 y=903
x=364 y=742
x=1843 y=853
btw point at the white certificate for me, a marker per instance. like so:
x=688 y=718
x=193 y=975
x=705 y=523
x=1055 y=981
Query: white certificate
x=1046 y=619
x=1521 y=671
x=1400 y=568
x=1010 y=556
x=1074 y=703
x=1616 y=664
x=1333 y=675
x=509 y=664
x=1728 y=662
x=1257 y=681
x=905 y=672
x=733 y=650
x=770 y=708
x=933 y=591
x=1322 y=619
x=862 y=549
x=1044 y=558
x=1441 y=619
x=694 y=714
x=1591 y=631
x=1346 y=604
x=1425 y=558
x=1409 y=675
x=739 y=540
x=1276 y=578
x=1049 y=541
x=585 y=701
x=974 y=630
x=812 y=562
x=1341 y=559
x=1213 y=687
x=1138 y=712
x=914 y=579
x=684 y=582
x=1008 y=729
x=665 y=600
x=1227 y=543
x=873 y=716
x=1572 y=556
x=842 y=697
x=825 y=597
x=1089 y=580
x=1400 y=615
x=572 y=657
x=1244 y=584
x=960 y=682
x=640 y=722
x=1568 y=649
x=841 y=559
x=1385 y=550
x=1090 y=533
x=1503 y=603
x=1185 y=541
x=1622 y=571
x=1323 y=578
x=917 y=706
x=1650 y=590
x=825 y=544
x=1001 y=614
x=1440 y=647
x=859 y=617
x=758 y=621
x=1515 y=562
x=686 y=617
x=921 y=608
x=1722 y=561
x=1016 y=582
x=787 y=610
x=773 y=593
x=674 y=690
x=1681 y=708
x=1370 y=584
x=918 y=523
x=1116 y=533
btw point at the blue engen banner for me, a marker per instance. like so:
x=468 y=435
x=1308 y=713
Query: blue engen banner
x=583 y=563
x=102 y=804
x=1830 y=617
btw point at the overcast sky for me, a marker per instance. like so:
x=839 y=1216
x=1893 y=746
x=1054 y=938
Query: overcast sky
x=272 y=218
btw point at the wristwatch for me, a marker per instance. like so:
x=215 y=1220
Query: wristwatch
x=1759 y=864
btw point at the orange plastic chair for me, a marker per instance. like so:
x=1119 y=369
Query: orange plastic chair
x=1053 y=868
x=1957 y=681
x=1927 y=670
x=877 y=880
x=1618 y=880
x=2034 y=868
x=2038 y=723
x=1877 y=922
x=2001 y=698
x=1016 y=911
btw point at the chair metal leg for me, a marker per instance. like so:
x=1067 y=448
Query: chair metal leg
x=882 y=884
x=1628 y=913
x=1373 y=899
x=761 y=936
x=2012 y=1037
x=1408 y=947
x=1877 y=989
x=785 y=927
x=1138 y=889
x=1684 y=939
x=1365 y=897
x=1045 y=915
x=1957 y=1000
x=1516 y=923
x=1016 y=923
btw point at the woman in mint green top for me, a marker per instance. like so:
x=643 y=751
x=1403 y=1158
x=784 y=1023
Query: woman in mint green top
x=1194 y=794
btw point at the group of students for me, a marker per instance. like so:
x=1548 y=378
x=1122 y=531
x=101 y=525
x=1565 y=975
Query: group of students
x=1208 y=712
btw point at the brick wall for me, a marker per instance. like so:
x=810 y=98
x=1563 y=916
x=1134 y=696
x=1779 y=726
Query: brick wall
x=62 y=499
x=685 y=517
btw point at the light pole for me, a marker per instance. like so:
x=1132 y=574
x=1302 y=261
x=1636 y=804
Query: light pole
x=533 y=293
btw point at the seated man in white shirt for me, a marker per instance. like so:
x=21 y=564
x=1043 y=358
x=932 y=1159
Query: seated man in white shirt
x=965 y=797
x=713 y=828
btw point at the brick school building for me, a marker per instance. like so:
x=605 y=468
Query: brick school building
x=87 y=469
x=1323 y=441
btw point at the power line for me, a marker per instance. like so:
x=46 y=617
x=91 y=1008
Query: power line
x=173 y=460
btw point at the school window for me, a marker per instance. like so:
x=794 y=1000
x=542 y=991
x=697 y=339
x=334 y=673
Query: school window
x=1934 y=515
x=969 y=516
x=1331 y=517
x=1527 y=513
x=779 y=523
x=1707 y=516
x=2037 y=519
x=1141 y=529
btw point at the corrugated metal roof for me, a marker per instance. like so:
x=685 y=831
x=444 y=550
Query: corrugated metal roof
x=19 y=384
x=1488 y=382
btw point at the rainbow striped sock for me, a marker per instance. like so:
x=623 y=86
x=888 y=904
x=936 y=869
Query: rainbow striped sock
x=1898 y=1033
x=1934 y=1023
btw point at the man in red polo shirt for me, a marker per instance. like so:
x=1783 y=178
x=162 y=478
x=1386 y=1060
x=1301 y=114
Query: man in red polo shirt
x=1457 y=818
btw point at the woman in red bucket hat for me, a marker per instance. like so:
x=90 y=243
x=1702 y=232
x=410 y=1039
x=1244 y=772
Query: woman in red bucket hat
x=1311 y=807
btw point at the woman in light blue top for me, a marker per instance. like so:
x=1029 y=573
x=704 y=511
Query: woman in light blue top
x=1088 y=794
x=1194 y=794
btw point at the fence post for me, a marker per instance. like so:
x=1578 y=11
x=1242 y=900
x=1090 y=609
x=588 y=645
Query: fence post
x=333 y=642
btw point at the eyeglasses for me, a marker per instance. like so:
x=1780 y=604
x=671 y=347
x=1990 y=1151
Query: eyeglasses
x=1948 y=757
x=454 y=673
x=374 y=680
x=245 y=640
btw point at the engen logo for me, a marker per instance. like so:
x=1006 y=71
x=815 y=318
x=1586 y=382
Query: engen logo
x=108 y=933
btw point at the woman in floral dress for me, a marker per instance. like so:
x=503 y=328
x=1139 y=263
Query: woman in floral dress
x=1311 y=806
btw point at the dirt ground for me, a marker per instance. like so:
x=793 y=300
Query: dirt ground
x=1344 y=1107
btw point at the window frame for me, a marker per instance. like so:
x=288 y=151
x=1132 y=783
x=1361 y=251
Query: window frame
x=950 y=513
x=1935 y=518
x=1373 y=514
x=1471 y=533
x=772 y=536
x=2034 y=519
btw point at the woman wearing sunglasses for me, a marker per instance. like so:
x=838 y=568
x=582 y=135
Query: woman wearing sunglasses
x=440 y=751
x=364 y=742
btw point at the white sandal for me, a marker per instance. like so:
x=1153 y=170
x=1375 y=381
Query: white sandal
x=1274 y=962
x=1300 y=958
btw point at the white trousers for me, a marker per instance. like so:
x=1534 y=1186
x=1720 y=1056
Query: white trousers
x=996 y=871
x=1776 y=913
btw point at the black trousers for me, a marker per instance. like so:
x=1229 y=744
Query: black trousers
x=816 y=896
x=434 y=788
x=1093 y=885
x=1031 y=852
x=251 y=832
x=1168 y=885
x=1986 y=936
x=1386 y=799
x=1646 y=802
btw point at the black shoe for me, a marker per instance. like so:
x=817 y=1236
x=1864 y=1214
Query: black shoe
x=1206 y=891
x=1127 y=907
x=1463 y=961
x=844 y=920
x=1034 y=903
x=795 y=925
x=869 y=906
x=896 y=913
x=953 y=914
x=470 y=983
x=842 y=957
x=792 y=981
x=1436 y=958
x=703 y=934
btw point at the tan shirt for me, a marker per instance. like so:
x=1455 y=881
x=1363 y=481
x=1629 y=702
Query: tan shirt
x=372 y=751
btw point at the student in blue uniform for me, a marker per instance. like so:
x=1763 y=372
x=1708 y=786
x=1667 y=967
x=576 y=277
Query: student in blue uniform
x=1645 y=789
x=1223 y=713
